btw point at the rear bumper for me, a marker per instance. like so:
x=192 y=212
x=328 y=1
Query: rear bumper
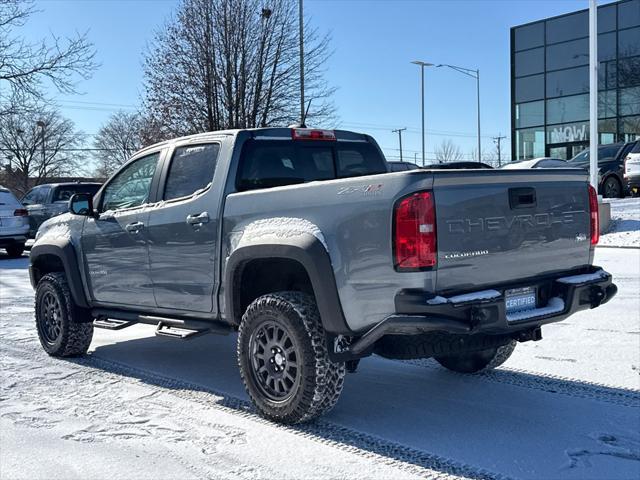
x=485 y=312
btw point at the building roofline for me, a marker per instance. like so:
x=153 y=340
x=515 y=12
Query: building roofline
x=567 y=14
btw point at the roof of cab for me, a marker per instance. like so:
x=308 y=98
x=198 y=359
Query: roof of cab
x=272 y=133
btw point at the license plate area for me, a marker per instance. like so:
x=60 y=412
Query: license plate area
x=520 y=299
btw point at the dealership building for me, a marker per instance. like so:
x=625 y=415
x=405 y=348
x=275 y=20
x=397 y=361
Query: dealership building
x=550 y=81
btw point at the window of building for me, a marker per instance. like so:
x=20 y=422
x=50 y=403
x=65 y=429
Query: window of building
x=629 y=14
x=530 y=114
x=529 y=36
x=568 y=133
x=567 y=82
x=607 y=46
x=529 y=62
x=607 y=18
x=607 y=104
x=529 y=143
x=191 y=169
x=629 y=72
x=607 y=75
x=629 y=42
x=607 y=131
x=630 y=101
x=568 y=109
x=568 y=27
x=568 y=54
x=529 y=88
x=630 y=128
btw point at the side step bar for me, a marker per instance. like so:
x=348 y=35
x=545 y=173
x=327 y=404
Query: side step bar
x=166 y=327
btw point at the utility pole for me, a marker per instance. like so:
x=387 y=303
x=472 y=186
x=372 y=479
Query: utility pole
x=497 y=141
x=301 y=21
x=399 y=132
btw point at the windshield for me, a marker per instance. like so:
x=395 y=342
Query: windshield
x=607 y=152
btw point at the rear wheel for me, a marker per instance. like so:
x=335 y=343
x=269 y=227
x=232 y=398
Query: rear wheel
x=15 y=251
x=473 y=362
x=611 y=188
x=64 y=329
x=283 y=358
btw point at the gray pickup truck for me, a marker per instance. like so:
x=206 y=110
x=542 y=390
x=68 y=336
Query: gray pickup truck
x=302 y=242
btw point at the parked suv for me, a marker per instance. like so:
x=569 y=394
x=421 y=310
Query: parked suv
x=48 y=200
x=611 y=157
x=300 y=241
x=632 y=170
x=14 y=224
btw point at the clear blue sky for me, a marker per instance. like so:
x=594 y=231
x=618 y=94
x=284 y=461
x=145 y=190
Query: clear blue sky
x=374 y=41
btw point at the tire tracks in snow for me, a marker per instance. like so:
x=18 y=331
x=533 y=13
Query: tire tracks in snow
x=548 y=383
x=375 y=449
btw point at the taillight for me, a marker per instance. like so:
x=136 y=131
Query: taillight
x=415 y=232
x=593 y=209
x=20 y=212
x=312 y=134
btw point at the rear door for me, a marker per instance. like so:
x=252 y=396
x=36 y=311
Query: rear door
x=509 y=225
x=115 y=243
x=183 y=230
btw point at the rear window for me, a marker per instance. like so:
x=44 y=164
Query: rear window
x=64 y=192
x=265 y=164
x=636 y=149
x=7 y=198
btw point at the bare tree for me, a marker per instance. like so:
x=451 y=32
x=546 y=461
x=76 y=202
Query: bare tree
x=231 y=64
x=115 y=142
x=447 y=151
x=25 y=66
x=39 y=145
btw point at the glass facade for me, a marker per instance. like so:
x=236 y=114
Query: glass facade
x=550 y=81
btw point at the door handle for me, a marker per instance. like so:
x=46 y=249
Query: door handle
x=198 y=219
x=134 y=227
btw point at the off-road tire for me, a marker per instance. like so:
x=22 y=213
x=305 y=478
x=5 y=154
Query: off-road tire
x=74 y=331
x=435 y=344
x=478 y=361
x=320 y=380
x=15 y=251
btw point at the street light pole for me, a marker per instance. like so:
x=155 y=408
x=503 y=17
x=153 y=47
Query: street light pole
x=422 y=65
x=473 y=74
x=593 y=93
x=301 y=21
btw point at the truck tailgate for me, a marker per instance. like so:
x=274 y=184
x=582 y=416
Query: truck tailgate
x=504 y=226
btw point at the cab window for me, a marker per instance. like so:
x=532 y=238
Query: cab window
x=131 y=186
x=191 y=170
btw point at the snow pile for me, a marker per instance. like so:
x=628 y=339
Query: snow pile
x=624 y=230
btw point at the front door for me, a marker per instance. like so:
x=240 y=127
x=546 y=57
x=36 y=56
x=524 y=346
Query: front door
x=183 y=231
x=115 y=243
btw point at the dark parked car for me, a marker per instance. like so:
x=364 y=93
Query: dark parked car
x=610 y=167
x=402 y=166
x=542 y=162
x=457 y=166
x=632 y=171
x=48 y=200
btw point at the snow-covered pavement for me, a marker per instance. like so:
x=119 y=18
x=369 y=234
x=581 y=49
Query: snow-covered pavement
x=145 y=407
x=625 y=223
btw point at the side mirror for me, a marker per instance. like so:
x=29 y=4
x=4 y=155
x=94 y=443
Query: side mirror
x=81 y=204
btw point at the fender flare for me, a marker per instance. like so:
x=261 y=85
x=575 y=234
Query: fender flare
x=308 y=251
x=66 y=253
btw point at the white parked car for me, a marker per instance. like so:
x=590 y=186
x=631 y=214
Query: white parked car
x=632 y=170
x=14 y=223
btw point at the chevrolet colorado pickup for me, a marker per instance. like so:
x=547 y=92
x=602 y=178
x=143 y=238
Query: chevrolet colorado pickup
x=302 y=242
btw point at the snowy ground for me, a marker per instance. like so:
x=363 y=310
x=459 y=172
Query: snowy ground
x=138 y=406
x=625 y=223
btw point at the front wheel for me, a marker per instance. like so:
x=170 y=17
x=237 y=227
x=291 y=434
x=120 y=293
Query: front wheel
x=64 y=329
x=283 y=358
x=482 y=360
x=611 y=188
